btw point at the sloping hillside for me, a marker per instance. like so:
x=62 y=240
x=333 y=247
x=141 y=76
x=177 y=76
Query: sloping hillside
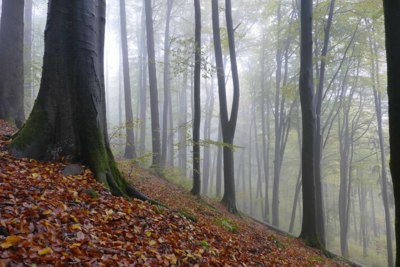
x=48 y=218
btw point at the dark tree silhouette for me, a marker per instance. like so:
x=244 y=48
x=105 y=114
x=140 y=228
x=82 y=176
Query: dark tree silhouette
x=12 y=62
x=130 y=151
x=309 y=225
x=196 y=96
x=228 y=125
x=392 y=21
x=68 y=120
x=167 y=83
x=155 y=116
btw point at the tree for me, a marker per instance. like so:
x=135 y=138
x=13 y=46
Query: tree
x=155 y=117
x=309 y=225
x=68 y=120
x=318 y=131
x=392 y=19
x=167 y=82
x=196 y=99
x=28 y=18
x=12 y=62
x=228 y=125
x=130 y=151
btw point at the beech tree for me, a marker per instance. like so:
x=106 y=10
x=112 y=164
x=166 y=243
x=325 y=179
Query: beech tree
x=392 y=19
x=196 y=96
x=228 y=124
x=12 y=62
x=155 y=116
x=130 y=150
x=68 y=120
x=309 y=230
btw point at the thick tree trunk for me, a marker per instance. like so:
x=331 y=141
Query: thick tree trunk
x=167 y=82
x=155 y=119
x=68 y=120
x=12 y=62
x=196 y=99
x=130 y=151
x=392 y=22
x=309 y=230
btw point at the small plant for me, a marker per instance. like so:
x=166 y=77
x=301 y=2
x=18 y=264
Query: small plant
x=92 y=193
x=187 y=214
x=204 y=244
x=227 y=225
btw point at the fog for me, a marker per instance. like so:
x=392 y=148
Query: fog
x=267 y=143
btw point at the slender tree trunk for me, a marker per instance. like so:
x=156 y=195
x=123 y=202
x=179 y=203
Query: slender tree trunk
x=318 y=130
x=167 y=83
x=277 y=163
x=197 y=103
x=130 y=151
x=228 y=124
x=155 y=119
x=384 y=182
x=12 y=62
x=265 y=135
x=28 y=19
x=143 y=84
x=309 y=230
x=219 y=163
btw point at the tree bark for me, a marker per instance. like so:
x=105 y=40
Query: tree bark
x=143 y=84
x=196 y=99
x=28 y=19
x=167 y=82
x=228 y=125
x=318 y=130
x=309 y=230
x=392 y=21
x=68 y=120
x=155 y=117
x=12 y=62
x=130 y=150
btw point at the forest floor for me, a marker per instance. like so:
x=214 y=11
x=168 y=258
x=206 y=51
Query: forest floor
x=48 y=219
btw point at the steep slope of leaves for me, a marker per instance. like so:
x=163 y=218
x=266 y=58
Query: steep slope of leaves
x=47 y=218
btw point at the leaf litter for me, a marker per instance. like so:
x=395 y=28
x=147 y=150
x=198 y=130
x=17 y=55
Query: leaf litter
x=48 y=219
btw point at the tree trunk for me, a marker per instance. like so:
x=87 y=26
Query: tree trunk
x=12 y=62
x=155 y=119
x=309 y=231
x=384 y=182
x=68 y=120
x=167 y=82
x=318 y=130
x=196 y=99
x=28 y=19
x=218 y=177
x=228 y=125
x=130 y=151
x=143 y=84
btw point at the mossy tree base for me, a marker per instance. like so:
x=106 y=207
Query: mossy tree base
x=68 y=120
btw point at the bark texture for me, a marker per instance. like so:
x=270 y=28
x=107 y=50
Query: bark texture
x=68 y=120
x=196 y=99
x=155 y=116
x=12 y=62
x=309 y=225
